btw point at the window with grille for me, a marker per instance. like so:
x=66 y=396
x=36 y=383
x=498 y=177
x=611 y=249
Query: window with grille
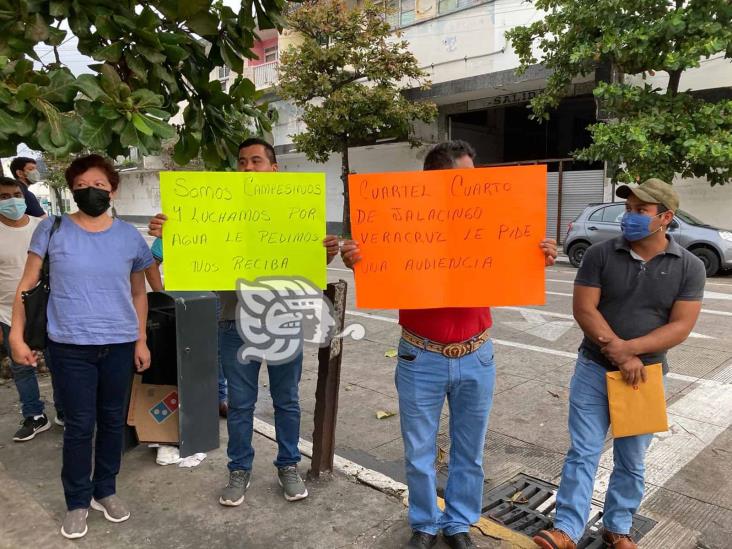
x=270 y=54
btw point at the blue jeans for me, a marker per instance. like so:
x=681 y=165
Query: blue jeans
x=222 y=382
x=589 y=420
x=26 y=383
x=93 y=381
x=243 y=388
x=423 y=381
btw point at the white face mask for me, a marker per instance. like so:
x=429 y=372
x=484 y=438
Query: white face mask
x=33 y=176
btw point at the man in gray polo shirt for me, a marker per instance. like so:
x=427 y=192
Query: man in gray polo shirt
x=635 y=297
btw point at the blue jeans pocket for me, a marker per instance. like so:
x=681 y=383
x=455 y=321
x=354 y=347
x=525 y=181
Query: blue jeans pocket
x=408 y=353
x=485 y=354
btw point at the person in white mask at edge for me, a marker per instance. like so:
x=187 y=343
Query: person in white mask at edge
x=16 y=230
x=25 y=170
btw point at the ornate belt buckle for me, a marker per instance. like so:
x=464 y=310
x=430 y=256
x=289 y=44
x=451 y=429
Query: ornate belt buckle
x=454 y=350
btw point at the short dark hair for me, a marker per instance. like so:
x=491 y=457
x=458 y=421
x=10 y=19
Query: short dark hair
x=257 y=141
x=9 y=182
x=19 y=163
x=660 y=208
x=85 y=163
x=443 y=155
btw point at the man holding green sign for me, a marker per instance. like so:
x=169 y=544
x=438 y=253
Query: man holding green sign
x=256 y=155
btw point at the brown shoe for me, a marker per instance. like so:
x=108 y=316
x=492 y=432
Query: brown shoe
x=554 y=539
x=618 y=541
x=223 y=409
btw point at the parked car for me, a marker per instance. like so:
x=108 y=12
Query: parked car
x=599 y=222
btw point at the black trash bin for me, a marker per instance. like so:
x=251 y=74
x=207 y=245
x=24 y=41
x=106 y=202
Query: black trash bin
x=182 y=337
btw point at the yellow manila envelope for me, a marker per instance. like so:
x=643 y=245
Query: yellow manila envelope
x=637 y=409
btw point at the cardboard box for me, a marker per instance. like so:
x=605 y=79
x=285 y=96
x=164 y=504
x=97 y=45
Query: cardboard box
x=153 y=412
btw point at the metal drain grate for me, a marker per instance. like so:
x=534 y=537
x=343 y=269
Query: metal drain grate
x=526 y=505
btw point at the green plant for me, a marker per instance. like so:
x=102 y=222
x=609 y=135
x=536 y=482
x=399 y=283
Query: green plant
x=150 y=58
x=651 y=131
x=347 y=77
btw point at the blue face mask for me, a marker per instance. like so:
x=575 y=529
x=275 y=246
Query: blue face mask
x=12 y=208
x=635 y=226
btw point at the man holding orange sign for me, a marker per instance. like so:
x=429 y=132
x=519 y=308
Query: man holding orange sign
x=445 y=352
x=635 y=297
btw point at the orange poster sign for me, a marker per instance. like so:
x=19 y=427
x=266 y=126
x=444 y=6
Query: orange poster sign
x=449 y=238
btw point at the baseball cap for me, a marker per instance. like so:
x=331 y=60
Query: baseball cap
x=653 y=191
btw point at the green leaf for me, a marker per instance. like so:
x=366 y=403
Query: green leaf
x=185 y=149
x=56 y=36
x=148 y=19
x=27 y=91
x=141 y=125
x=119 y=124
x=36 y=28
x=7 y=122
x=58 y=9
x=158 y=113
x=158 y=71
x=189 y=8
x=151 y=55
x=136 y=65
x=111 y=82
x=108 y=112
x=25 y=124
x=145 y=98
x=204 y=23
x=95 y=133
x=111 y=53
x=129 y=137
x=89 y=86
x=175 y=54
x=61 y=87
x=231 y=59
x=159 y=128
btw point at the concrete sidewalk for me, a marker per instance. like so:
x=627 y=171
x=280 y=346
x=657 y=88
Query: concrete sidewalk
x=178 y=508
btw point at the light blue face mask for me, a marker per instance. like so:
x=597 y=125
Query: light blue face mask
x=13 y=208
x=635 y=226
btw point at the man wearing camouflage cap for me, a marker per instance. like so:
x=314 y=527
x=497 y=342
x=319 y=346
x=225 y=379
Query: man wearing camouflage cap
x=635 y=297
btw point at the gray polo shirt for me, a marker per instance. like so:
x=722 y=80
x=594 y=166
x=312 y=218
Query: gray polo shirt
x=637 y=296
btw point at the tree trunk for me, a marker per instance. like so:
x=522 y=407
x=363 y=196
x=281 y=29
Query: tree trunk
x=673 y=82
x=59 y=200
x=345 y=170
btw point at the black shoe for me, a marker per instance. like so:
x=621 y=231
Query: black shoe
x=30 y=427
x=461 y=540
x=421 y=540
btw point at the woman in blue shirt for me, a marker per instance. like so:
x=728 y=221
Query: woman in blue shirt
x=97 y=311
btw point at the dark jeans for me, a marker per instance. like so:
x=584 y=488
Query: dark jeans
x=27 y=383
x=93 y=381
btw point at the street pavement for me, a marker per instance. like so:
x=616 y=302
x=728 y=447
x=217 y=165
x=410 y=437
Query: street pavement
x=689 y=479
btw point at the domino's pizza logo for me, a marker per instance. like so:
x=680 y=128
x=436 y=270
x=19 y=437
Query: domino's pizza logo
x=165 y=408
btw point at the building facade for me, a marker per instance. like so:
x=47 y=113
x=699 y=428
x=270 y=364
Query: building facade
x=461 y=45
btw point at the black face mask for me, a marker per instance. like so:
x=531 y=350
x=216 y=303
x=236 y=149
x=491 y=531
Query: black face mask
x=92 y=201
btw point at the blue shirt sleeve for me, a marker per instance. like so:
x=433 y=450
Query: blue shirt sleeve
x=40 y=238
x=144 y=258
x=32 y=206
x=157 y=249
